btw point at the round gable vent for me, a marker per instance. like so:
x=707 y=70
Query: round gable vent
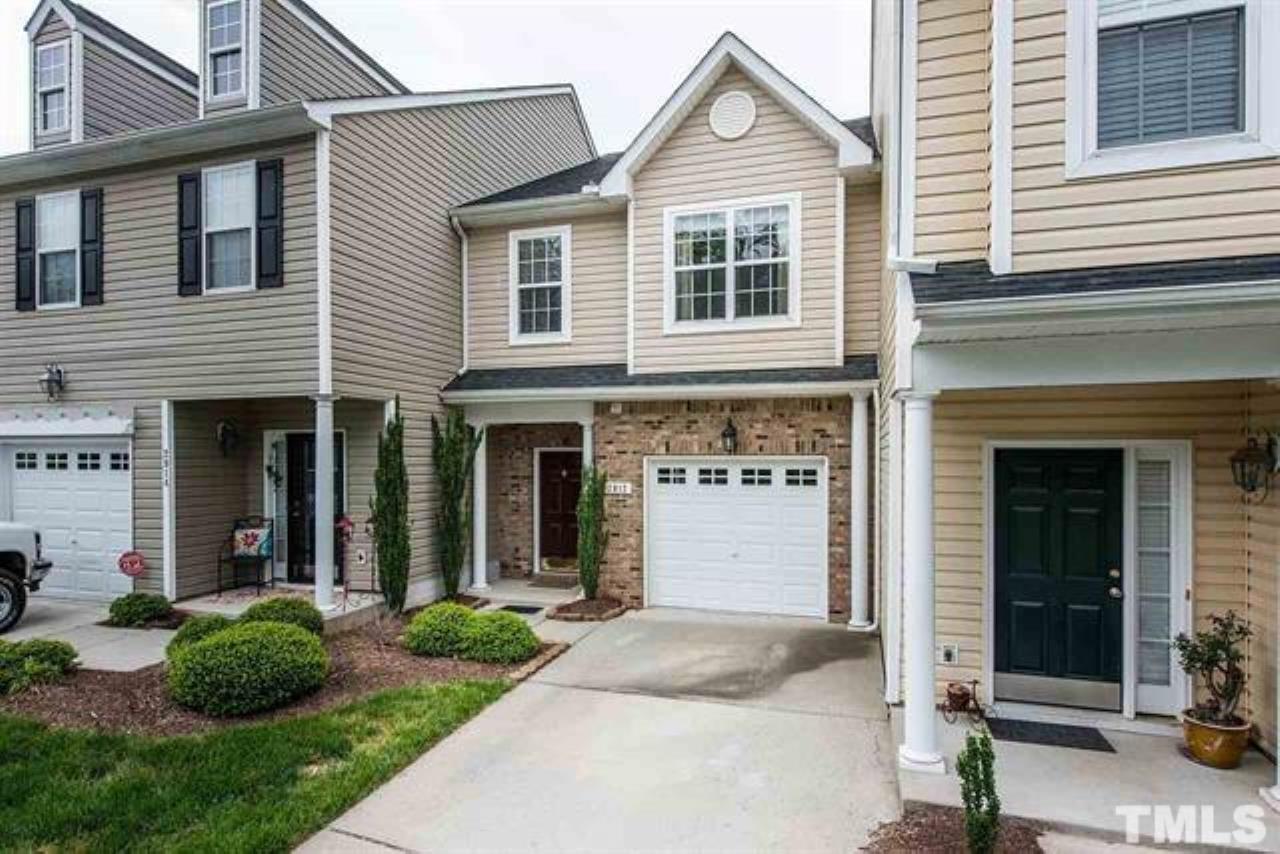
x=732 y=115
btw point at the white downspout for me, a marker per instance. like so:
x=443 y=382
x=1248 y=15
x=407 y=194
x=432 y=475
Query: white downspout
x=466 y=295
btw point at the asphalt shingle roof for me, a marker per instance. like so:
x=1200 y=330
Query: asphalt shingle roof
x=865 y=131
x=855 y=368
x=566 y=182
x=965 y=281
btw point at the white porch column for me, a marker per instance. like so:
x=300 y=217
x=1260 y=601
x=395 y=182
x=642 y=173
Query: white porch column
x=588 y=442
x=324 y=503
x=919 y=750
x=479 y=512
x=859 y=597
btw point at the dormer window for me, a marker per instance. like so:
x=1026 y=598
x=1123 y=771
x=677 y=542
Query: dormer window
x=52 y=72
x=224 y=38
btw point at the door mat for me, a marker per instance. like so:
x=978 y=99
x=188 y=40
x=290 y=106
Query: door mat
x=521 y=609
x=1051 y=735
x=554 y=580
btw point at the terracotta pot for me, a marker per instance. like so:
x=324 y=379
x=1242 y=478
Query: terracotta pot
x=1215 y=745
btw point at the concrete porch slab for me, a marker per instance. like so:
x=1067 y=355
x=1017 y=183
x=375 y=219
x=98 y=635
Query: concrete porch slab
x=352 y=609
x=1079 y=789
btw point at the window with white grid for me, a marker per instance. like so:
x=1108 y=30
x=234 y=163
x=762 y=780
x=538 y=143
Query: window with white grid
x=224 y=39
x=229 y=196
x=58 y=250
x=540 y=271
x=52 y=75
x=26 y=461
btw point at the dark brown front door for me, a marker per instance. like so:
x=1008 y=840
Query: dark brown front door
x=559 y=480
x=301 y=488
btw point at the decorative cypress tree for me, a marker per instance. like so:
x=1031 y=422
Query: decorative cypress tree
x=389 y=509
x=453 y=450
x=593 y=537
x=976 y=765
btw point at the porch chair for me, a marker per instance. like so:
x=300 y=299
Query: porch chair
x=249 y=554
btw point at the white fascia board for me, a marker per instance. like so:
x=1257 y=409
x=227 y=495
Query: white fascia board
x=325 y=110
x=328 y=38
x=852 y=153
x=710 y=391
x=536 y=210
x=54 y=422
x=42 y=11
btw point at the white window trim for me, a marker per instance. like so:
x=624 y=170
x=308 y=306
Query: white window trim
x=514 y=337
x=205 y=232
x=730 y=323
x=1261 y=135
x=65 y=87
x=209 y=51
x=42 y=251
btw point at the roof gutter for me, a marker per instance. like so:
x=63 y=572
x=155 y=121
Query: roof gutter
x=709 y=391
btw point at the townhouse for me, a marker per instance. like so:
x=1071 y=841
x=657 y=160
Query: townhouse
x=216 y=296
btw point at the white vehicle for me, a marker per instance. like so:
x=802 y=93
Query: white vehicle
x=21 y=569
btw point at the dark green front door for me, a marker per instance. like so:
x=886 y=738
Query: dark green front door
x=1059 y=538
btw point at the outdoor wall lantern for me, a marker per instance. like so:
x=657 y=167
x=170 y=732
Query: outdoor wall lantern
x=52 y=382
x=228 y=436
x=1253 y=466
x=729 y=438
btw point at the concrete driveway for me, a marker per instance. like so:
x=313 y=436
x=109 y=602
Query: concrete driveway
x=99 y=647
x=663 y=730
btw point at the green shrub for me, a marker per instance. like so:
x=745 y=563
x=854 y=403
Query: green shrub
x=196 y=629
x=283 y=609
x=499 y=637
x=389 y=513
x=976 y=766
x=593 y=535
x=453 y=451
x=138 y=609
x=438 y=630
x=27 y=662
x=250 y=667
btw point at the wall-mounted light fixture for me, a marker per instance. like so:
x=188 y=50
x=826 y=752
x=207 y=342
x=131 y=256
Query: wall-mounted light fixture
x=729 y=438
x=228 y=436
x=1253 y=466
x=52 y=382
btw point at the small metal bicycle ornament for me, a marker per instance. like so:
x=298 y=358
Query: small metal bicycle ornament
x=962 y=699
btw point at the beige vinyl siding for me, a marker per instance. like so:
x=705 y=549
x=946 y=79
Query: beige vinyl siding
x=121 y=96
x=1263 y=555
x=145 y=343
x=862 y=268
x=54 y=29
x=598 y=291
x=1209 y=415
x=779 y=155
x=397 y=312
x=1208 y=212
x=297 y=63
x=952 y=129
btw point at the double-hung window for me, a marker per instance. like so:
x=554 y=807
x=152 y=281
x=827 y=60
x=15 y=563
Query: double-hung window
x=540 y=280
x=58 y=250
x=224 y=40
x=228 y=227
x=733 y=264
x=1170 y=83
x=53 y=73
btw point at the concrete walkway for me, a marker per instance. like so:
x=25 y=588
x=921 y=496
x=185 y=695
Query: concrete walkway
x=662 y=730
x=100 y=647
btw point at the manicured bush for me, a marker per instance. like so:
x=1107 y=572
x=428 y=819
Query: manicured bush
x=389 y=513
x=27 y=662
x=282 y=609
x=250 y=667
x=438 y=630
x=976 y=765
x=499 y=637
x=138 y=609
x=196 y=629
x=593 y=536
x=453 y=451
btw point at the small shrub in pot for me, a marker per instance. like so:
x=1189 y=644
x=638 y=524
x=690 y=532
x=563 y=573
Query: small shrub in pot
x=250 y=667
x=499 y=637
x=437 y=631
x=138 y=609
x=1215 y=734
x=197 y=629
x=284 y=609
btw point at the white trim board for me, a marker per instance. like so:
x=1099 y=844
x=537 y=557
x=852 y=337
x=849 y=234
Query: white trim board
x=1182 y=521
x=536 y=566
x=168 y=501
x=709 y=391
x=324 y=263
x=323 y=111
x=1001 y=223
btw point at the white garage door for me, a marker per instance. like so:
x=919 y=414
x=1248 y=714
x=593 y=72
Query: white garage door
x=748 y=535
x=78 y=496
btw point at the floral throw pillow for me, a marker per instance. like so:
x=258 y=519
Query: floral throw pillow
x=253 y=542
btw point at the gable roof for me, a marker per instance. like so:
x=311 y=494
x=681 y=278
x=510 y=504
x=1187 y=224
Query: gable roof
x=566 y=182
x=78 y=17
x=851 y=151
x=317 y=21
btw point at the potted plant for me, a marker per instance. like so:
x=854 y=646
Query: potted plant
x=1215 y=734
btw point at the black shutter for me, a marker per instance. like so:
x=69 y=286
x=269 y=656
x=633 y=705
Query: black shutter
x=91 y=247
x=270 y=223
x=26 y=254
x=189 y=269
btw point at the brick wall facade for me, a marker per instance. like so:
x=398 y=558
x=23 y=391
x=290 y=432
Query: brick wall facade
x=510 y=461
x=626 y=433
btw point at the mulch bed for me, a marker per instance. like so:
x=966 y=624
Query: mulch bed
x=941 y=829
x=362 y=662
x=171 y=621
x=588 y=610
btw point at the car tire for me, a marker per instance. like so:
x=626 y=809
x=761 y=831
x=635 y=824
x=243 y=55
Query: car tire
x=13 y=601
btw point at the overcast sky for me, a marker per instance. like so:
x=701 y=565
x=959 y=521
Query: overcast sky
x=624 y=58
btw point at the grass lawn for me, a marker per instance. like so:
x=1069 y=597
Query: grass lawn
x=262 y=787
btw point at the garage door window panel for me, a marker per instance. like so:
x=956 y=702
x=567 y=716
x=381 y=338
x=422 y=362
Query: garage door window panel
x=56 y=462
x=26 y=461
